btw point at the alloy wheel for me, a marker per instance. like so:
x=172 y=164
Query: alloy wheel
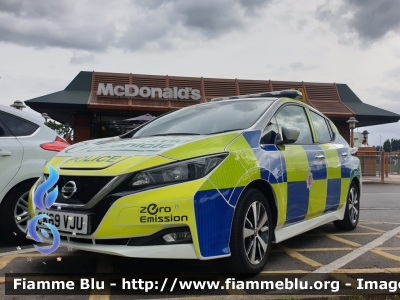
x=353 y=205
x=21 y=214
x=256 y=233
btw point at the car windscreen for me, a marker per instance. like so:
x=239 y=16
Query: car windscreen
x=207 y=118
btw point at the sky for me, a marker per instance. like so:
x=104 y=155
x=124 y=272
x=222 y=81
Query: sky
x=44 y=44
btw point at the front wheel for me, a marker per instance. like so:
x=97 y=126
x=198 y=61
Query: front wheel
x=14 y=215
x=352 y=211
x=251 y=234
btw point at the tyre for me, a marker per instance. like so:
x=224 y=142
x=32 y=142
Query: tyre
x=352 y=211
x=14 y=215
x=251 y=234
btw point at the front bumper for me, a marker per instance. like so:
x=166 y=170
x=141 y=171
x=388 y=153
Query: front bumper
x=178 y=251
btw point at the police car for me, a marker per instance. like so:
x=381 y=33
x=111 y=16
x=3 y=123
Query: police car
x=223 y=179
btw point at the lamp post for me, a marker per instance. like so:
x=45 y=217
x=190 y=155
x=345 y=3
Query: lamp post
x=365 y=135
x=18 y=105
x=46 y=117
x=352 y=124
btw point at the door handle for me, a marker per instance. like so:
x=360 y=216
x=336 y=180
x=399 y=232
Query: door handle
x=5 y=153
x=344 y=154
x=320 y=156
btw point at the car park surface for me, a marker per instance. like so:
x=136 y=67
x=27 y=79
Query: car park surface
x=302 y=254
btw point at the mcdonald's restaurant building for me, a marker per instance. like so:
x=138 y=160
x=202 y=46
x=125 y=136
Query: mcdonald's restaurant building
x=95 y=104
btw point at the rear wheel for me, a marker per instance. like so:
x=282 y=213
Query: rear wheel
x=14 y=215
x=251 y=235
x=352 y=212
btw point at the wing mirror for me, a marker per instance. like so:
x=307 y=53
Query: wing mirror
x=290 y=135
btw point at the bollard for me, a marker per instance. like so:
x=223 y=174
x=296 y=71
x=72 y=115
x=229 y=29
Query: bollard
x=387 y=165
x=382 y=165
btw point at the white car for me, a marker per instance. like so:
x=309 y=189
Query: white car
x=26 y=144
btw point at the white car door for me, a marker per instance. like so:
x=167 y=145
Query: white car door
x=11 y=153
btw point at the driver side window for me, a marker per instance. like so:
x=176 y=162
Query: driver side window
x=295 y=116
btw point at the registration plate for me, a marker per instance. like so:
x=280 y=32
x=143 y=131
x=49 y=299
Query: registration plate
x=68 y=222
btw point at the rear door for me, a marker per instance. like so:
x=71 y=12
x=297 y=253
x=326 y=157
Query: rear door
x=11 y=153
x=333 y=162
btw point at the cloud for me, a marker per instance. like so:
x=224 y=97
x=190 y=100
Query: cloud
x=132 y=25
x=170 y=23
x=393 y=73
x=365 y=20
x=79 y=58
x=300 y=66
x=59 y=24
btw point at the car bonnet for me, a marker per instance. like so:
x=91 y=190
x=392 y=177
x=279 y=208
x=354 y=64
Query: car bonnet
x=116 y=156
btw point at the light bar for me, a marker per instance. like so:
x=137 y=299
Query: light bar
x=293 y=94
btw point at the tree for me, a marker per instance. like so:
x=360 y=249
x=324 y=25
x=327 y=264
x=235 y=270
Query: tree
x=387 y=146
x=60 y=128
x=395 y=143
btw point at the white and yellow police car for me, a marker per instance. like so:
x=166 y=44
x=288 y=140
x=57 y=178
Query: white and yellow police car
x=223 y=179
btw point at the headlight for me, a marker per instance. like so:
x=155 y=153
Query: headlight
x=181 y=171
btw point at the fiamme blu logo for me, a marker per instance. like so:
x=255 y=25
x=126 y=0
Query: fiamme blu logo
x=43 y=199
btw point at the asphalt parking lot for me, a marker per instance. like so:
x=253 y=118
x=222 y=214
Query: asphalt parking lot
x=374 y=247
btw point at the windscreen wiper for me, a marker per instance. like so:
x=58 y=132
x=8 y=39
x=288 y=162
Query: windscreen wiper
x=175 y=133
x=222 y=131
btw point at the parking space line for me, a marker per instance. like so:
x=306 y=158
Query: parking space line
x=371 y=228
x=343 y=278
x=322 y=249
x=344 y=241
x=329 y=268
x=386 y=255
x=388 y=248
x=18 y=251
x=300 y=257
x=286 y=272
x=5 y=260
x=377 y=222
x=343 y=233
x=370 y=271
x=357 y=233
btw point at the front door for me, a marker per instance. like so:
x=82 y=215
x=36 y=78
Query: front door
x=11 y=152
x=305 y=167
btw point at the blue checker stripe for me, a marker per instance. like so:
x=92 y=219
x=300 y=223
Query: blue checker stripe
x=253 y=138
x=269 y=147
x=346 y=169
x=235 y=195
x=333 y=195
x=318 y=167
x=213 y=221
x=226 y=193
x=272 y=164
x=297 y=204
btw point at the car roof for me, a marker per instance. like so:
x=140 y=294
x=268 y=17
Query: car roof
x=39 y=120
x=292 y=94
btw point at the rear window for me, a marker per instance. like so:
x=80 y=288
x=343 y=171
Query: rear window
x=4 y=132
x=18 y=126
x=320 y=125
